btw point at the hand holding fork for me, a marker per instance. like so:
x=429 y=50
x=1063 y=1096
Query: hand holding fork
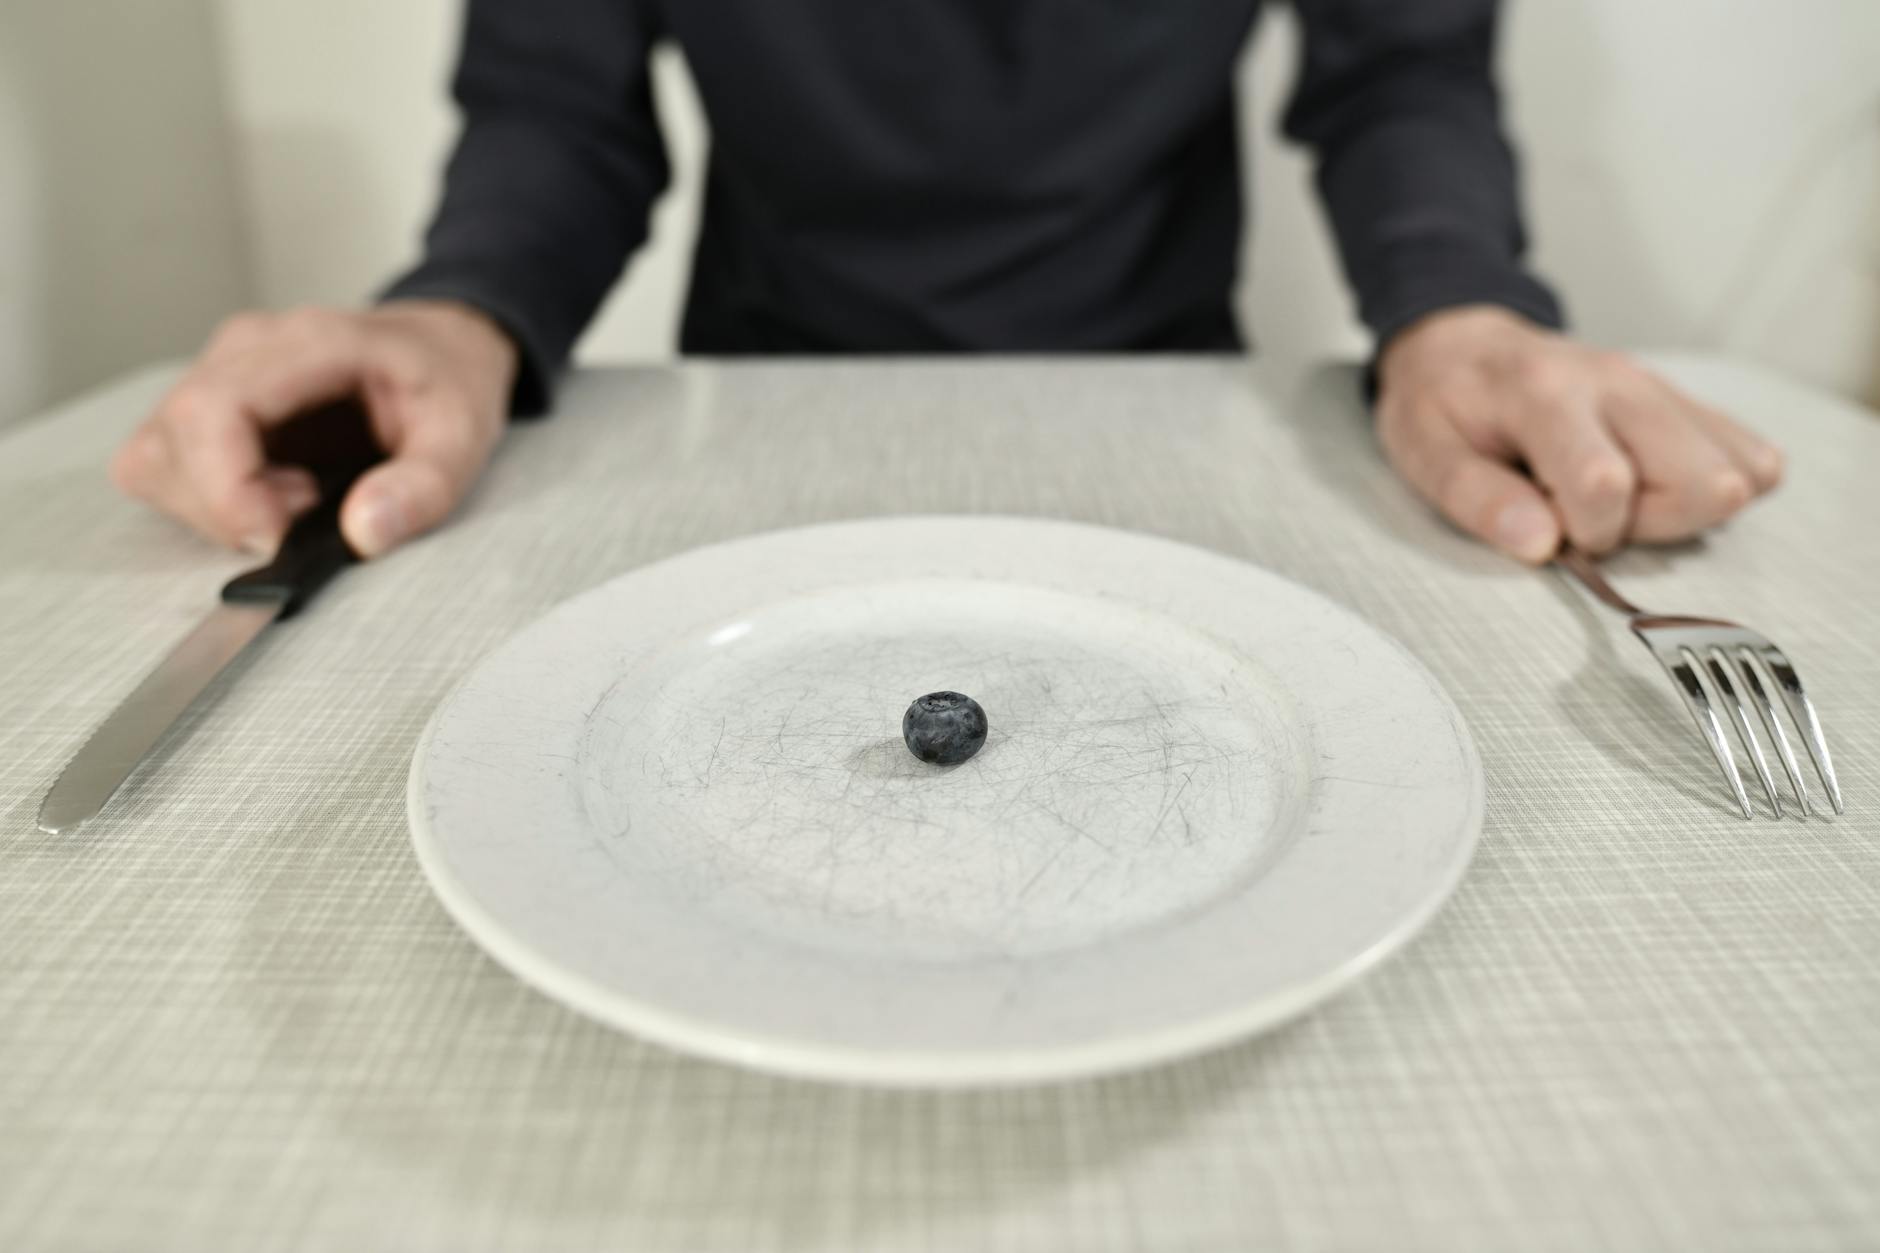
x=1734 y=659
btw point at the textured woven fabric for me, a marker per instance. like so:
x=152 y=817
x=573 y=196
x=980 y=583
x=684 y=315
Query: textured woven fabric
x=232 y=1016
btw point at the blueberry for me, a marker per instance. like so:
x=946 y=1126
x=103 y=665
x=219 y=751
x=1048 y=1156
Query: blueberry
x=944 y=728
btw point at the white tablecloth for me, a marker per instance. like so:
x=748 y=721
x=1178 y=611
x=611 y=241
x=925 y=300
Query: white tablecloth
x=233 y=1017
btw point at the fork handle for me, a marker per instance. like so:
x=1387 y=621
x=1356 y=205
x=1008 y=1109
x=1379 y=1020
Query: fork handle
x=1586 y=570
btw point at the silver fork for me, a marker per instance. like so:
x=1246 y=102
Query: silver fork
x=1728 y=655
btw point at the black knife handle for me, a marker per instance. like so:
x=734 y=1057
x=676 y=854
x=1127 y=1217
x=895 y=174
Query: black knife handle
x=335 y=443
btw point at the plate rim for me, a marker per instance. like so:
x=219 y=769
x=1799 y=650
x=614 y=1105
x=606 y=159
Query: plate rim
x=949 y=1069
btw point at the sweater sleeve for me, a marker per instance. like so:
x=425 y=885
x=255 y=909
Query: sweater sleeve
x=1398 y=102
x=553 y=177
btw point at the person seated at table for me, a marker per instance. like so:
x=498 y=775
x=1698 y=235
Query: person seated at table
x=962 y=175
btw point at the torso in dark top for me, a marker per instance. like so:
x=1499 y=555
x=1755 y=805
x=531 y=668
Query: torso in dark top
x=912 y=175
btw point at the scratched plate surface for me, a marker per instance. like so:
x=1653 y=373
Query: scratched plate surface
x=680 y=802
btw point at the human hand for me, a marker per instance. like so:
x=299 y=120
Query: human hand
x=1468 y=396
x=434 y=375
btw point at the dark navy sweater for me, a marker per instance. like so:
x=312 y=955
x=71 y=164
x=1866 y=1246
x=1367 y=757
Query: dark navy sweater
x=935 y=175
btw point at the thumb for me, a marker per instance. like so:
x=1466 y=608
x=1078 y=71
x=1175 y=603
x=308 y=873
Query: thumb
x=1485 y=497
x=433 y=464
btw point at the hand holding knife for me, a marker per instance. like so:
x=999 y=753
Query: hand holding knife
x=334 y=443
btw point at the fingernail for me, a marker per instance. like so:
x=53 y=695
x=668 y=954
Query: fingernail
x=259 y=543
x=1526 y=529
x=383 y=522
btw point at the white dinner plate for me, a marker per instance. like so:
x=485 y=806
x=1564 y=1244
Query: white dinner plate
x=680 y=802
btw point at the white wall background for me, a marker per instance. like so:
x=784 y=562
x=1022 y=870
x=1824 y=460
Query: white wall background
x=120 y=231
x=339 y=181
x=1702 y=173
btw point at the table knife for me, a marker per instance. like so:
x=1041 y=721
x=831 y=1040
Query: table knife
x=335 y=443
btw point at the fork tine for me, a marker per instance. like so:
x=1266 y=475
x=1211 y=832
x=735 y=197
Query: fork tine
x=1803 y=711
x=1752 y=679
x=1684 y=675
x=1719 y=665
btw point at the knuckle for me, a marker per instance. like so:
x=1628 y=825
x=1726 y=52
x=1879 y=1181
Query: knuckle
x=1545 y=375
x=1729 y=491
x=315 y=324
x=1607 y=479
x=399 y=360
x=187 y=402
x=1617 y=365
x=1772 y=465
